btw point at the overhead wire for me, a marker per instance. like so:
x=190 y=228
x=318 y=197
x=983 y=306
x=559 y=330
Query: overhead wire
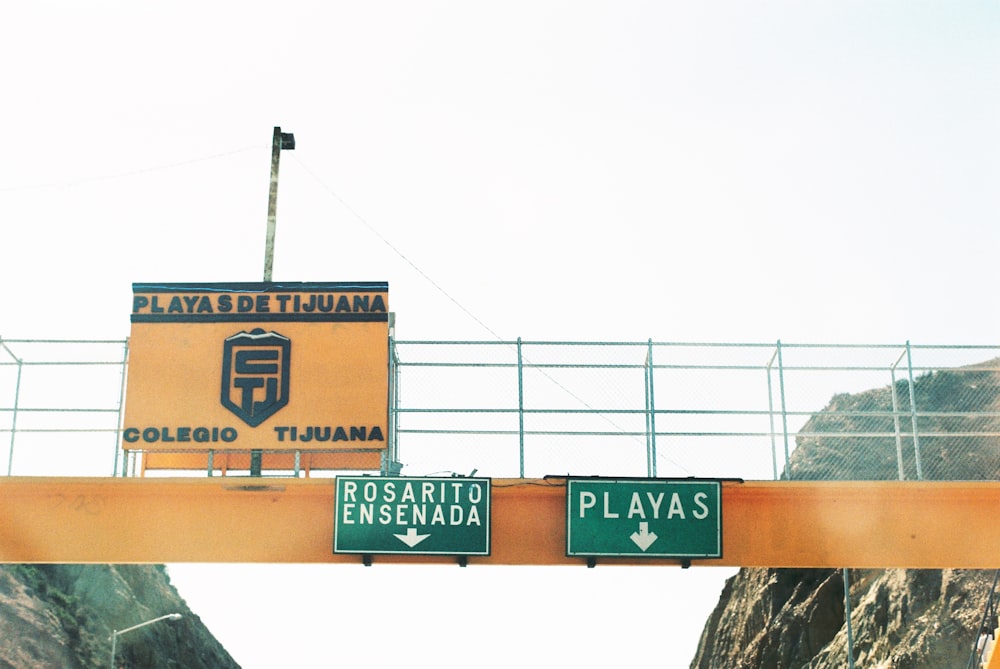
x=451 y=298
x=361 y=219
x=127 y=174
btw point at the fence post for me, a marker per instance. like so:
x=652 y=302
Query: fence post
x=17 y=397
x=520 y=406
x=390 y=464
x=121 y=414
x=784 y=410
x=895 y=419
x=913 y=414
x=770 y=416
x=650 y=414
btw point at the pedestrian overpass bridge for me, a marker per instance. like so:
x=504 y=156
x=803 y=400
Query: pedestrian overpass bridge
x=826 y=456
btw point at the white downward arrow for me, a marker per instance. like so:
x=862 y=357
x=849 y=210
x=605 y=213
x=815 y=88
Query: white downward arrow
x=643 y=538
x=411 y=538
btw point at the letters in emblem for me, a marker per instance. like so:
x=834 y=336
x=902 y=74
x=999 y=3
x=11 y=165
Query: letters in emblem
x=255 y=371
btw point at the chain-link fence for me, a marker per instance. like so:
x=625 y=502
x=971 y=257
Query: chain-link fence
x=60 y=403
x=752 y=411
x=530 y=408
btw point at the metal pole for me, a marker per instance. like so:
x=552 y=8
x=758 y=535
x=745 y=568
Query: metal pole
x=770 y=416
x=391 y=466
x=286 y=141
x=17 y=400
x=13 y=420
x=847 y=618
x=784 y=410
x=121 y=416
x=520 y=403
x=279 y=141
x=256 y=462
x=387 y=454
x=650 y=415
x=272 y=204
x=913 y=414
x=117 y=633
x=895 y=420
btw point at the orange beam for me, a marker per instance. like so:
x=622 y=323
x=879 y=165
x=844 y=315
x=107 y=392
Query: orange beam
x=772 y=524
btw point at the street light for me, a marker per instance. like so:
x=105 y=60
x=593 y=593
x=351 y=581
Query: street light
x=117 y=633
x=282 y=141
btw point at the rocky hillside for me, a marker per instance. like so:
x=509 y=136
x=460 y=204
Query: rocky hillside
x=944 y=401
x=794 y=618
x=900 y=619
x=61 y=617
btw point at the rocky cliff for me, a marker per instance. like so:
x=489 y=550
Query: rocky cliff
x=794 y=618
x=900 y=619
x=61 y=617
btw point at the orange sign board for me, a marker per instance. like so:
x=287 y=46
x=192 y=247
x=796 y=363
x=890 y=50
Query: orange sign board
x=258 y=366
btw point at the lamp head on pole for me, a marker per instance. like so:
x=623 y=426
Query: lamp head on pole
x=284 y=140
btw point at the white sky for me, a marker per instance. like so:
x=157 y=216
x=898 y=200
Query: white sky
x=816 y=172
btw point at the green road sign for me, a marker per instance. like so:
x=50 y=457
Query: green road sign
x=412 y=515
x=679 y=518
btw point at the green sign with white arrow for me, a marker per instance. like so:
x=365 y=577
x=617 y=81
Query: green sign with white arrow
x=412 y=515
x=680 y=518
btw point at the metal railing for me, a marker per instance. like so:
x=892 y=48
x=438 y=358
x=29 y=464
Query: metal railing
x=701 y=409
x=61 y=405
x=531 y=408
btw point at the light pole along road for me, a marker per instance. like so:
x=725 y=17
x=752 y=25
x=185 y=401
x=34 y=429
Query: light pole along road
x=117 y=633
